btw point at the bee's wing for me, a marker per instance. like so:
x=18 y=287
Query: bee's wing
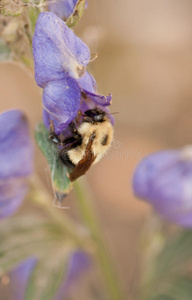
x=85 y=163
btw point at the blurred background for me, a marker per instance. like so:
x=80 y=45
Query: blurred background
x=144 y=60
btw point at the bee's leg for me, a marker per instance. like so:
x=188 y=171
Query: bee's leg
x=73 y=128
x=79 y=117
x=68 y=140
x=52 y=135
x=63 y=153
x=65 y=159
x=74 y=131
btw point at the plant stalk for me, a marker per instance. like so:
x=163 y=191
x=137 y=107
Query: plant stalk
x=87 y=211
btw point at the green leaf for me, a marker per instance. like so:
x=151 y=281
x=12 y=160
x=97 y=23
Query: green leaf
x=182 y=289
x=33 y=13
x=168 y=279
x=175 y=256
x=178 y=289
x=30 y=235
x=4 y=51
x=26 y=236
x=48 y=274
x=162 y=297
x=59 y=172
x=77 y=14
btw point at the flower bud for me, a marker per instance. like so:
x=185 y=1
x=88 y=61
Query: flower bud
x=164 y=179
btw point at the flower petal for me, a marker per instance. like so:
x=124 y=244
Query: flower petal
x=12 y=193
x=87 y=82
x=57 y=50
x=99 y=99
x=62 y=8
x=165 y=180
x=79 y=261
x=148 y=171
x=16 y=149
x=20 y=276
x=61 y=100
x=89 y=87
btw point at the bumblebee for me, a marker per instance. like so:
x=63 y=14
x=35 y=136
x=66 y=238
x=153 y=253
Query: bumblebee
x=87 y=142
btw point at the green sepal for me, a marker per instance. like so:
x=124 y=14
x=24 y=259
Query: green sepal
x=77 y=14
x=5 y=52
x=59 y=172
x=33 y=13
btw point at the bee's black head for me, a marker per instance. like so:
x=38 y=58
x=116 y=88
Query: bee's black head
x=94 y=115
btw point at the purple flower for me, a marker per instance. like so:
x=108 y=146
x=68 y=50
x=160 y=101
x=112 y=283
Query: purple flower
x=16 y=160
x=164 y=179
x=62 y=8
x=60 y=69
x=19 y=278
x=78 y=263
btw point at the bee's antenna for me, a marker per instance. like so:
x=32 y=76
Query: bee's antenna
x=92 y=58
x=117 y=112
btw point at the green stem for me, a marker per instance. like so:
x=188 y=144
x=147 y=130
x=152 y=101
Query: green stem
x=87 y=212
x=71 y=228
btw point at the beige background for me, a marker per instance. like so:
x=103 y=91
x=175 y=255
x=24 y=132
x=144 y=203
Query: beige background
x=145 y=61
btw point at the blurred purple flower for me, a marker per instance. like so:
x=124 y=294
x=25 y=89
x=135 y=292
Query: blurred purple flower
x=16 y=160
x=60 y=68
x=62 y=8
x=79 y=262
x=164 y=179
x=19 y=278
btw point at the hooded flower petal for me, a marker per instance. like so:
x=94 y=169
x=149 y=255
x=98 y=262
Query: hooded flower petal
x=16 y=160
x=61 y=101
x=57 y=50
x=89 y=87
x=165 y=180
x=20 y=276
x=60 y=60
x=78 y=264
x=16 y=150
x=88 y=83
x=98 y=99
x=62 y=8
